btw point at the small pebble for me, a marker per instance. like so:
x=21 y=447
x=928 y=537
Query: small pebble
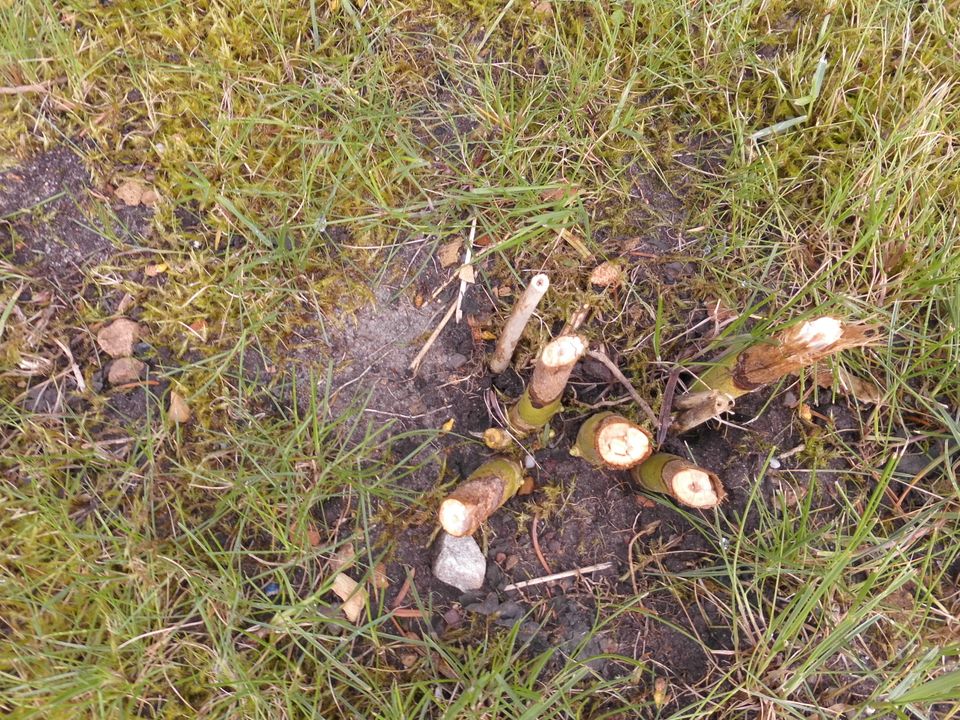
x=529 y=462
x=775 y=463
x=271 y=589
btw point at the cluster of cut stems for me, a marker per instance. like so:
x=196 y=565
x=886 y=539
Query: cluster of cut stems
x=611 y=441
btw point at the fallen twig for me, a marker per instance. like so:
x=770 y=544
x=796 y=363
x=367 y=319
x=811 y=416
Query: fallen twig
x=415 y=365
x=31 y=88
x=559 y=576
x=618 y=374
x=536 y=543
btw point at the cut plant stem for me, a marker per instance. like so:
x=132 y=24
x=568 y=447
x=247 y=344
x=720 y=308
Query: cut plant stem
x=486 y=489
x=541 y=398
x=507 y=342
x=611 y=441
x=684 y=482
x=762 y=363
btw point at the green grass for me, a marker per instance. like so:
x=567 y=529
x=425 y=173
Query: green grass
x=330 y=135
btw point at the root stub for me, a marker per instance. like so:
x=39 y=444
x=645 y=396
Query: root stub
x=609 y=440
x=487 y=488
x=686 y=483
x=693 y=487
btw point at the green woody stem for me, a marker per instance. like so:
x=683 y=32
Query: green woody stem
x=541 y=398
x=612 y=441
x=486 y=489
x=684 y=482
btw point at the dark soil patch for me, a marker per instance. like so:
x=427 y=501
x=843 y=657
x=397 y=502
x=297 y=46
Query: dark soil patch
x=52 y=225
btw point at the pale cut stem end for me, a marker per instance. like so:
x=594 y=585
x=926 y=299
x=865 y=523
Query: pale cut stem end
x=456 y=518
x=513 y=329
x=565 y=350
x=622 y=445
x=694 y=487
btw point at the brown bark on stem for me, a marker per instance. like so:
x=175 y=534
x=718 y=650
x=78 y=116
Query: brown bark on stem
x=487 y=488
x=513 y=329
x=541 y=398
x=683 y=481
x=744 y=371
x=612 y=441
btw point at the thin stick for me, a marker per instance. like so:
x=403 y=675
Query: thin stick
x=32 y=88
x=466 y=261
x=513 y=329
x=415 y=365
x=559 y=576
x=612 y=367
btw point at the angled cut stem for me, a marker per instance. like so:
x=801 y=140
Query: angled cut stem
x=513 y=329
x=541 y=398
x=762 y=363
x=486 y=489
x=611 y=441
x=683 y=481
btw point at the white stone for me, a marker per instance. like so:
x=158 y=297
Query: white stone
x=460 y=562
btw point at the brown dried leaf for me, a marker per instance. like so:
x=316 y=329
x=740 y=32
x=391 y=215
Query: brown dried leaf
x=178 y=410
x=449 y=253
x=125 y=370
x=343 y=558
x=380 y=579
x=527 y=487
x=154 y=270
x=354 y=597
x=118 y=338
x=863 y=390
x=130 y=192
x=607 y=274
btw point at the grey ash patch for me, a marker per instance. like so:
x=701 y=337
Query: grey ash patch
x=370 y=355
x=50 y=222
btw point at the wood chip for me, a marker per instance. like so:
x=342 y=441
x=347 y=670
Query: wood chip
x=130 y=193
x=118 y=338
x=449 y=253
x=125 y=370
x=354 y=597
x=607 y=275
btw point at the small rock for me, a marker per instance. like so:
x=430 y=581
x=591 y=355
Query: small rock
x=117 y=338
x=457 y=360
x=460 y=562
x=125 y=370
x=452 y=617
x=488 y=606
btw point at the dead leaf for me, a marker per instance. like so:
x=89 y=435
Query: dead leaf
x=660 y=693
x=154 y=270
x=448 y=425
x=863 y=390
x=467 y=274
x=449 y=253
x=199 y=328
x=125 y=370
x=408 y=660
x=527 y=487
x=380 y=579
x=178 y=410
x=313 y=535
x=607 y=274
x=130 y=192
x=118 y=338
x=504 y=291
x=563 y=192
x=354 y=597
